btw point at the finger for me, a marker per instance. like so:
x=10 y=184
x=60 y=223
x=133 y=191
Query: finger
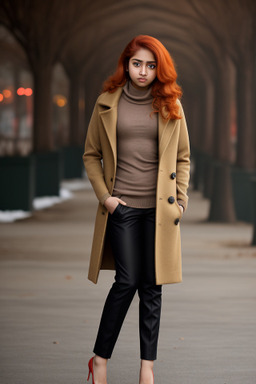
x=122 y=202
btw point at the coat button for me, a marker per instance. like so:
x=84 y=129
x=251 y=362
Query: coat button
x=173 y=175
x=103 y=213
x=176 y=221
x=111 y=179
x=171 y=199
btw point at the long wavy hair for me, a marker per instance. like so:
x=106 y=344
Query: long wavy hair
x=165 y=90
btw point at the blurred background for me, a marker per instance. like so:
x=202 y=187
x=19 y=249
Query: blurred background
x=55 y=56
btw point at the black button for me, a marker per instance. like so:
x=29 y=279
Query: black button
x=176 y=222
x=173 y=175
x=103 y=213
x=171 y=199
x=111 y=179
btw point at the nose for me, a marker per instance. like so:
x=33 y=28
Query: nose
x=143 y=70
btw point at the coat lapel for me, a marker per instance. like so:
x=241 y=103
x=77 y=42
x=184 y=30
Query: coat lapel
x=109 y=117
x=165 y=131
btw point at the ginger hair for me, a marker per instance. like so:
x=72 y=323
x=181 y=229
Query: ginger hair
x=165 y=90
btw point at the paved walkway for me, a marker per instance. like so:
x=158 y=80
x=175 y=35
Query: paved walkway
x=50 y=311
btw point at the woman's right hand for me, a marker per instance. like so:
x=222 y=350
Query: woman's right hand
x=112 y=202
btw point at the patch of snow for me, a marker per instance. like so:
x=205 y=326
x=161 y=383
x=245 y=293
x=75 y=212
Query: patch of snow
x=65 y=194
x=67 y=186
x=48 y=201
x=38 y=203
x=11 y=216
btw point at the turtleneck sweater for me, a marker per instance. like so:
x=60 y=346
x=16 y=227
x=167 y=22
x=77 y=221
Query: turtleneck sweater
x=137 y=148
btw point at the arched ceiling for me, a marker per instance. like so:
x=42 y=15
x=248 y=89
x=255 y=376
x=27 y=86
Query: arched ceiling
x=89 y=35
x=199 y=34
x=175 y=23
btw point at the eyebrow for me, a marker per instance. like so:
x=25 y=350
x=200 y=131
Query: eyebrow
x=141 y=61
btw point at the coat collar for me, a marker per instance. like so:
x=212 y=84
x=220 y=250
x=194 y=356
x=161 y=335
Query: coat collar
x=110 y=100
x=109 y=118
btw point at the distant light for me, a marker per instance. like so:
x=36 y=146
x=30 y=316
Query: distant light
x=61 y=103
x=28 y=92
x=20 y=91
x=1 y=97
x=24 y=91
x=7 y=93
x=60 y=100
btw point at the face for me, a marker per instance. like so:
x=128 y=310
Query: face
x=142 y=68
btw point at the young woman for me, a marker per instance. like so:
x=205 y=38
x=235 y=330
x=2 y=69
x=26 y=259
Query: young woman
x=137 y=159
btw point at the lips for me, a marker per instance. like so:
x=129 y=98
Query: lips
x=142 y=80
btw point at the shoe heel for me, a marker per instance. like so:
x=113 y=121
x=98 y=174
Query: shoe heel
x=90 y=366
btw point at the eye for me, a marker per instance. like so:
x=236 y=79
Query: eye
x=152 y=66
x=136 y=64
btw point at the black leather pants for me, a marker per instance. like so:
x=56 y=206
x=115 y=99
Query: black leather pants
x=132 y=236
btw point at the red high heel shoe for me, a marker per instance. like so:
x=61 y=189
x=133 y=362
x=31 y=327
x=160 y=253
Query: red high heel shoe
x=90 y=366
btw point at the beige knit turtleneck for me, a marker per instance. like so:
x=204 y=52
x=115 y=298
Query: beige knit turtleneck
x=137 y=149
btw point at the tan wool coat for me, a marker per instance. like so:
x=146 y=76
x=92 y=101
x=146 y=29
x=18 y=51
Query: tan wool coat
x=100 y=160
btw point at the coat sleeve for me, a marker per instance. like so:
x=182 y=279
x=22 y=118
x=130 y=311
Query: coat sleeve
x=183 y=162
x=92 y=157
